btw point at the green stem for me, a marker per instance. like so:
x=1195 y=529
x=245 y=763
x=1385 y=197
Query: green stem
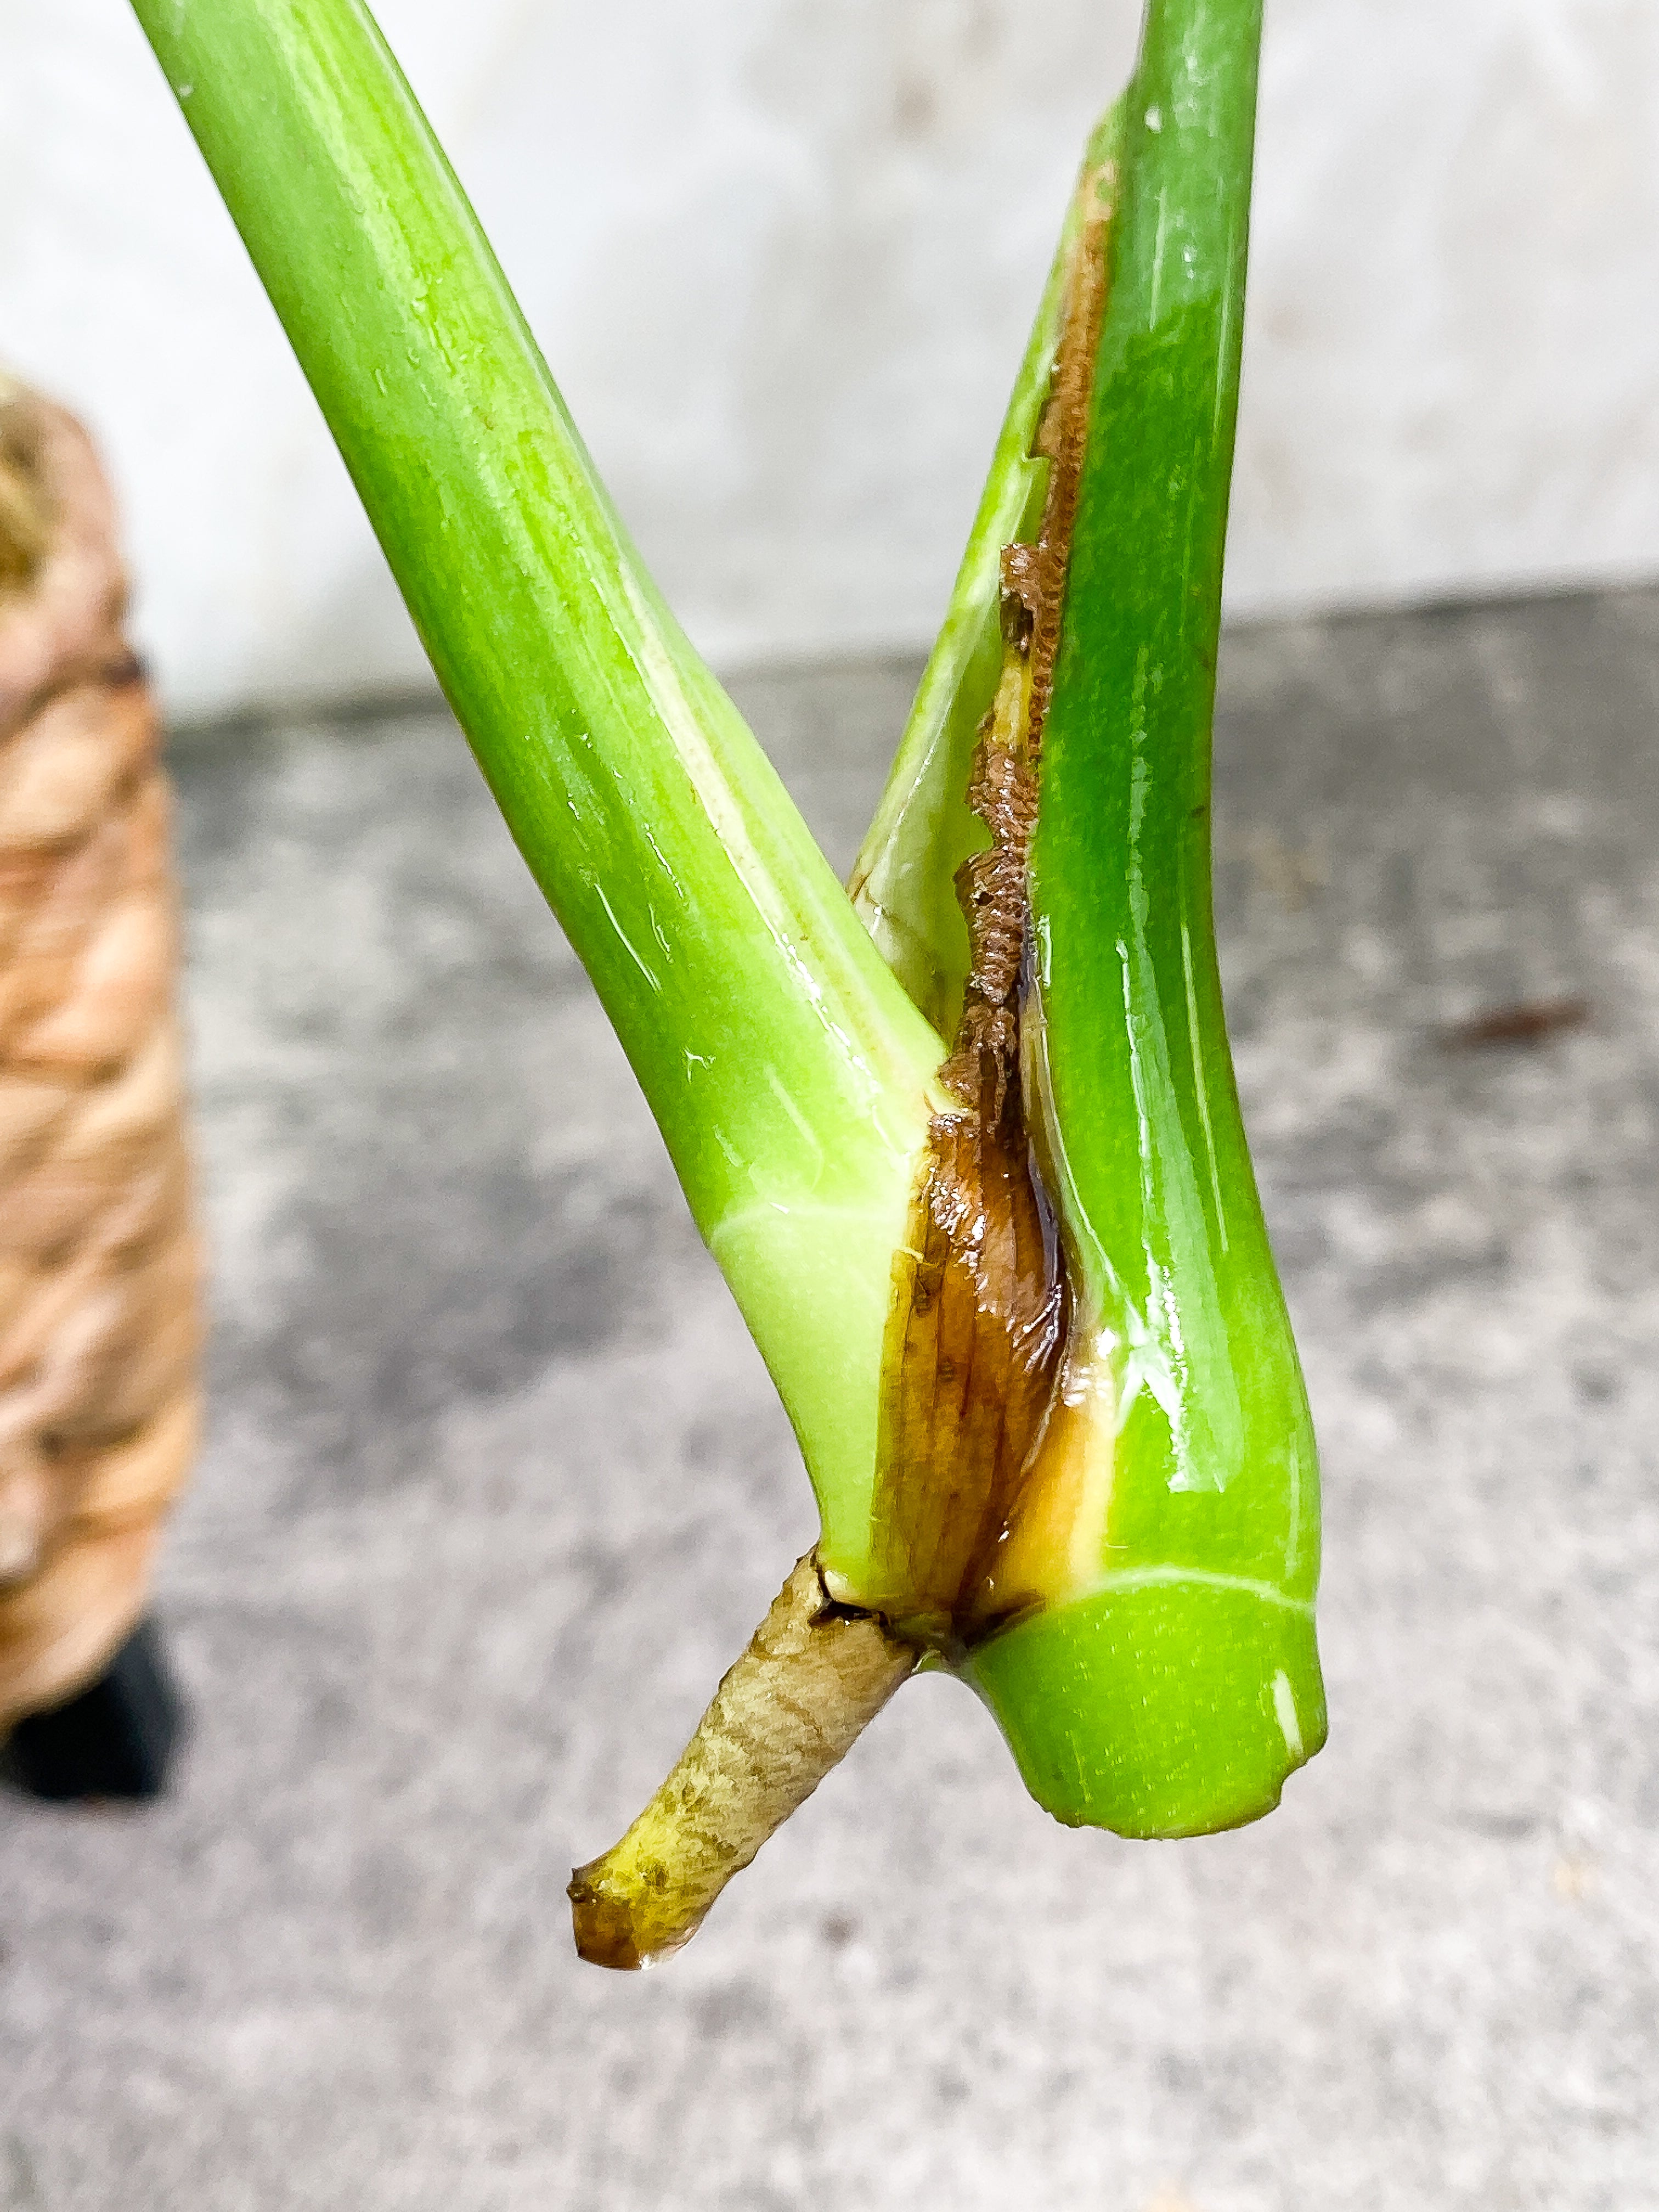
x=1179 y=1690
x=788 y=1071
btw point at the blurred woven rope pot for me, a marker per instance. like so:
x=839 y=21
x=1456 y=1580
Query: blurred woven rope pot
x=99 y=1317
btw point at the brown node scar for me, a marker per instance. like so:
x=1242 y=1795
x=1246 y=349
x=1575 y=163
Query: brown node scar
x=980 y=1311
x=991 y=888
x=977 y=1326
x=975 y=1345
x=1063 y=437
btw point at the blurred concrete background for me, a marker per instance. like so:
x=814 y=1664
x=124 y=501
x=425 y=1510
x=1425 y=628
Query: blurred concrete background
x=782 y=254
x=496 y=1485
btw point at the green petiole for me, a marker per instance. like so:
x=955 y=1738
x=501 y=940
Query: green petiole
x=979 y=1184
x=789 y=1072
x=1198 y=1642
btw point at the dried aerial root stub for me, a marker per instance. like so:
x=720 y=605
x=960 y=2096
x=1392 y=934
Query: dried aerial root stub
x=99 y=1327
x=814 y=1675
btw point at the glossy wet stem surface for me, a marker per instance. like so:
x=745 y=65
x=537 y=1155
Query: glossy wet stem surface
x=1014 y=1288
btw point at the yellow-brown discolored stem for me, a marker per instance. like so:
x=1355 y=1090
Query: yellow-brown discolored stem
x=814 y=1676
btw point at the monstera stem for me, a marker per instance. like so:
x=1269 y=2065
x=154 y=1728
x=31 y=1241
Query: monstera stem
x=966 y=1146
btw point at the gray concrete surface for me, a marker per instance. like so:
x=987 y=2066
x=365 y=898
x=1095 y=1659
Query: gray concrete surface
x=495 y=1487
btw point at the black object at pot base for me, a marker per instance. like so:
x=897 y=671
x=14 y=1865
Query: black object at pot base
x=116 y=1738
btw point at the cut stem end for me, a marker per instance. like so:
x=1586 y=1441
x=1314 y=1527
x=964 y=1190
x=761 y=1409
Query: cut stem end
x=814 y=1675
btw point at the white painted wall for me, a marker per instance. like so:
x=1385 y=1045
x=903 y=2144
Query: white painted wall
x=782 y=254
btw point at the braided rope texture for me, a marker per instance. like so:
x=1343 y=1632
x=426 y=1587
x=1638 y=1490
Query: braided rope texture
x=100 y=1304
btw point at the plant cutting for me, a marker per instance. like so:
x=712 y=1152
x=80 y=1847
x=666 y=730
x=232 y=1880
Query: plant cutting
x=966 y=1142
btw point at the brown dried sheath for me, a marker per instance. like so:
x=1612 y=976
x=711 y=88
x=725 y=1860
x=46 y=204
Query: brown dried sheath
x=981 y=1309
